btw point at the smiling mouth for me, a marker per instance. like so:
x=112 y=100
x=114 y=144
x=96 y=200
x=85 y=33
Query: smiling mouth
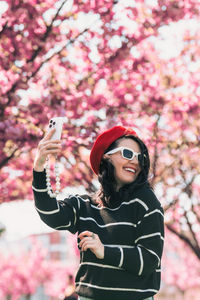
x=130 y=170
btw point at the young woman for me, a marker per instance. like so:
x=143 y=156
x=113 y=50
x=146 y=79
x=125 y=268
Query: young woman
x=120 y=228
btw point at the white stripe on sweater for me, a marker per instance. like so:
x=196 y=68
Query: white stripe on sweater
x=150 y=213
x=109 y=224
x=122 y=257
x=50 y=212
x=115 y=289
x=63 y=226
x=39 y=190
x=100 y=265
x=149 y=235
x=123 y=203
x=107 y=266
x=153 y=212
x=141 y=261
x=75 y=218
x=154 y=253
x=122 y=246
x=79 y=206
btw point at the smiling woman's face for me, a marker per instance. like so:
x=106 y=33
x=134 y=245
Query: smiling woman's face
x=126 y=171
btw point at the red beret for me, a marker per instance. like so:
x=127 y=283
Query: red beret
x=103 y=141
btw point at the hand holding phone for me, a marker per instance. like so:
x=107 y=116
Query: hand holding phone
x=50 y=144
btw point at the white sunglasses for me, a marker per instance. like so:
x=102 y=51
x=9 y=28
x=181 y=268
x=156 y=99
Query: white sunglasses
x=125 y=152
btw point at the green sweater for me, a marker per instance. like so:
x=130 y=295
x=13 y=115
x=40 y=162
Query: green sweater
x=132 y=234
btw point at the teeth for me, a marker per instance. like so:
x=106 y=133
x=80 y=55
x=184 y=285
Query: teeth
x=131 y=170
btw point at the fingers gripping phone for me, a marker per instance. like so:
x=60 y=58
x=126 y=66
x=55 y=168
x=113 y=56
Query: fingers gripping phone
x=56 y=123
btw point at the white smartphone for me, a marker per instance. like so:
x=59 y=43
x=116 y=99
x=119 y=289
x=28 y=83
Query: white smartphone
x=56 y=123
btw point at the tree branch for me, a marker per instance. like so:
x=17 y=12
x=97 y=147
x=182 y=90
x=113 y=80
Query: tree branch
x=4 y=28
x=195 y=213
x=192 y=231
x=155 y=157
x=48 y=30
x=185 y=239
x=170 y=205
x=36 y=52
x=49 y=58
x=6 y=160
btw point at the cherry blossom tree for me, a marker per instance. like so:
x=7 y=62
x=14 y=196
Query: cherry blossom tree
x=53 y=64
x=187 y=274
x=22 y=272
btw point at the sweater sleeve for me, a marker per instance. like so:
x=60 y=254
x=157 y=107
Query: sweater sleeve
x=145 y=256
x=58 y=214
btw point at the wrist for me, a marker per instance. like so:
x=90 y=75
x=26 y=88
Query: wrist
x=38 y=165
x=38 y=168
x=101 y=254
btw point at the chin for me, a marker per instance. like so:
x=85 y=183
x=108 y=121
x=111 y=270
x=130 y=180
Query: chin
x=127 y=181
x=131 y=181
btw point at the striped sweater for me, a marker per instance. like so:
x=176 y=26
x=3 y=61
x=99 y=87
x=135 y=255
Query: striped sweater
x=132 y=234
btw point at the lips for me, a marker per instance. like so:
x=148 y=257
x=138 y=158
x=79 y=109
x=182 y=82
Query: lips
x=130 y=170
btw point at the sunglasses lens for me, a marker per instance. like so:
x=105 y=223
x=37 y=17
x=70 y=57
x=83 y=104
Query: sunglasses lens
x=127 y=154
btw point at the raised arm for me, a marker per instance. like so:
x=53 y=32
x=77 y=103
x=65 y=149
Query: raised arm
x=60 y=215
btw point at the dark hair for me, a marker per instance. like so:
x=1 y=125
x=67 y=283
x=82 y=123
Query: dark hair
x=107 y=194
